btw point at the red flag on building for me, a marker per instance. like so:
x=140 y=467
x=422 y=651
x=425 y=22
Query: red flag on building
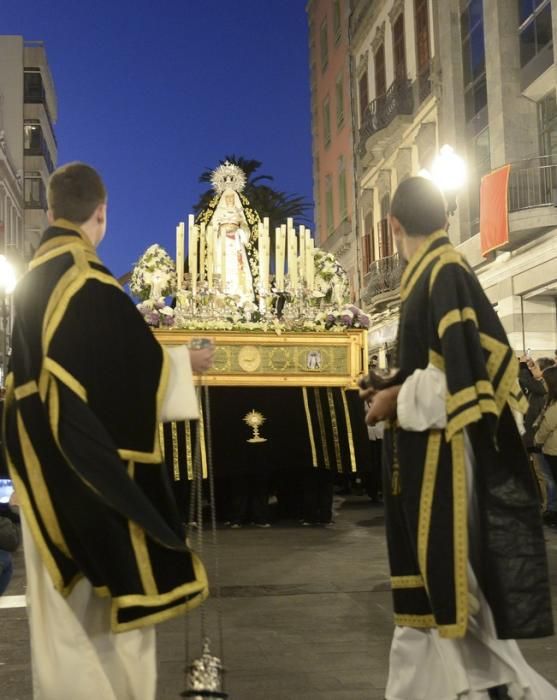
x=494 y=210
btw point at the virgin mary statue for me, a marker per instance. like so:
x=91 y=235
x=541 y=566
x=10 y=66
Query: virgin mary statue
x=232 y=239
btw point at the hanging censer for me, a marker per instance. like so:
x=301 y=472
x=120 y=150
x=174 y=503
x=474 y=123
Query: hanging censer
x=205 y=677
x=205 y=674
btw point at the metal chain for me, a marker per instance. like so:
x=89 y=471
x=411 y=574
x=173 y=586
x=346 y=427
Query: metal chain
x=212 y=501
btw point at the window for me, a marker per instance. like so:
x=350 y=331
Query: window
x=33 y=86
x=363 y=92
x=342 y=201
x=480 y=164
x=339 y=89
x=473 y=59
x=399 y=51
x=380 y=74
x=535 y=30
x=34 y=143
x=368 y=242
x=32 y=138
x=385 y=237
x=547 y=114
x=337 y=26
x=422 y=35
x=324 y=45
x=35 y=196
x=329 y=204
x=326 y=122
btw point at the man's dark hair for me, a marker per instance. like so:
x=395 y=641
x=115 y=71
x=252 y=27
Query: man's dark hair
x=74 y=192
x=419 y=206
x=545 y=362
x=550 y=377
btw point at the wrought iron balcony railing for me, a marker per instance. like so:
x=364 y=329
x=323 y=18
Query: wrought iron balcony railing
x=383 y=276
x=533 y=183
x=398 y=99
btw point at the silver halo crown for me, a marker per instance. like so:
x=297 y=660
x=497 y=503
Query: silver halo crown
x=228 y=177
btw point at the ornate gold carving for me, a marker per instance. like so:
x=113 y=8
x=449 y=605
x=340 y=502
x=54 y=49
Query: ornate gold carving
x=249 y=358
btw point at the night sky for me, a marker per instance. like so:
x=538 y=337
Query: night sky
x=153 y=93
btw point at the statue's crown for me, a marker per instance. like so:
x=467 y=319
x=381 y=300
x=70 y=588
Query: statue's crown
x=228 y=177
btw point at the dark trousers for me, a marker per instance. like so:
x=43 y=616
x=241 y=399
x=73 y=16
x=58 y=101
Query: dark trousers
x=248 y=498
x=6 y=569
x=318 y=495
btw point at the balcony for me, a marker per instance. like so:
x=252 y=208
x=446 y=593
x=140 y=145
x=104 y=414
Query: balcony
x=383 y=277
x=398 y=100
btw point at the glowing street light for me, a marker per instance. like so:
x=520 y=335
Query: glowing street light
x=449 y=174
x=7 y=276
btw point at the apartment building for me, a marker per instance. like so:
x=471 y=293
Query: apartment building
x=28 y=112
x=479 y=75
x=333 y=168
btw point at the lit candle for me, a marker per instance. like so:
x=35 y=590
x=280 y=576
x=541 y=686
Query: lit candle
x=210 y=253
x=279 y=258
x=192 y=252
x=292 y=256
x=202 y=243
x=302 y=261
x=180 y=235
x=222 y=253
x=310 y=269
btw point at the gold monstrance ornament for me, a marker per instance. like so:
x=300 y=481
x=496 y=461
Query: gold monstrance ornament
x=255 y=420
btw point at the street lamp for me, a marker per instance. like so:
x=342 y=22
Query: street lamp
x=448 y=171
x=7 y=285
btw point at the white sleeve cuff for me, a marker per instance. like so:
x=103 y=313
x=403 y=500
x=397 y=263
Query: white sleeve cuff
x=180 y=399
x=421 y=402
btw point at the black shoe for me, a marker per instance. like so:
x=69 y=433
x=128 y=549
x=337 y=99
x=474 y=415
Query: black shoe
x=499 y=693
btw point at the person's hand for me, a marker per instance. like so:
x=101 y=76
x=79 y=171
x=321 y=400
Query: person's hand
x=366 y=394
x=14 y=503
x=383 y=405
x=202 y=360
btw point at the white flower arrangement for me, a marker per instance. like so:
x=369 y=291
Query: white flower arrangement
x=154 y=275
x=331 y=280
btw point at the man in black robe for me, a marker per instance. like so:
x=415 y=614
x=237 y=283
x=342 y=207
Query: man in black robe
x=88 y=385
x=466 y=547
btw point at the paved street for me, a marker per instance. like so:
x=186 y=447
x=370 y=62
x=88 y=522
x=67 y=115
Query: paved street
x=307 y=615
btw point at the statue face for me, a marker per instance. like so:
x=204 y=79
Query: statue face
x=229 y=200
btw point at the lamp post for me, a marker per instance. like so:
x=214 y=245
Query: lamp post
x=448 y=171
x=7 y=286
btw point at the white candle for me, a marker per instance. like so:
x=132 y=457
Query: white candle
x=279 y=258
x=302 y=261
x=202 y=244
x=292 y=256
x=222 y=254
x=192 y=252
x=310 y=269
x=210 y=253
x=180 y=235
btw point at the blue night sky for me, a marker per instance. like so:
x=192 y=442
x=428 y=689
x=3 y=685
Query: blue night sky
x=152 y=93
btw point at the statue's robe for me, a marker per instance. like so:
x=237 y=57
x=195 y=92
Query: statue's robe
x=81 y=437
x=448 y=322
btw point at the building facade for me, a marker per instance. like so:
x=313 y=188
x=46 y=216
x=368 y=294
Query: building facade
x=333 y=167
x=479 y=75
x=28 y=112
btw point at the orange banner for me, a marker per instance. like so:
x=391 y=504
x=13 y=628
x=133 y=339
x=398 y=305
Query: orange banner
x=494 y=210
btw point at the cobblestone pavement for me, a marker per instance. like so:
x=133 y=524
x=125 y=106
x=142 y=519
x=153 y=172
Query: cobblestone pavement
x=306 y=611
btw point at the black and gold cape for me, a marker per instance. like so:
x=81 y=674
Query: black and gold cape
x=81 y=437
x=447 y=320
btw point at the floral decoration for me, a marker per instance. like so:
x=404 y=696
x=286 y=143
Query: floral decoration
x=331 y=280
x=154 y=275
x=157 y=313
x=348 y=317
